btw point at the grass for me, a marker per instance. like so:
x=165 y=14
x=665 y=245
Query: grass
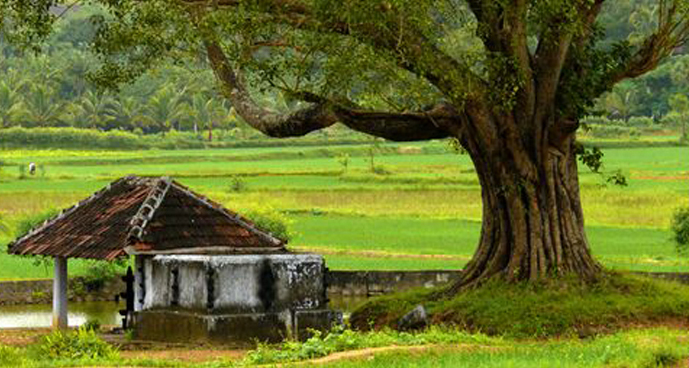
x=437 y=347
x=341 y=339
x=643 y=349
x=562 y=307
x=429 y=204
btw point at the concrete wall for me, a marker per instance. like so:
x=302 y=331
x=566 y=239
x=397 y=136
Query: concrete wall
x=339 y=283
x=235 y=284
x=41 y=291
x=369 y=283
x=232 y=299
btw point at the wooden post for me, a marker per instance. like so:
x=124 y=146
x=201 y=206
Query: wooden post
x=60 y=294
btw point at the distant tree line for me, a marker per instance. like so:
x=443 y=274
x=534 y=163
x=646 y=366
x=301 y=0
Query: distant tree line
x=50 y=89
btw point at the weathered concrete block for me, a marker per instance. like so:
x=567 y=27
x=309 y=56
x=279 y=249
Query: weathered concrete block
x=235 y=329
x=187 y=327
x=237 y=298
x=320 y=320
x=235 y=284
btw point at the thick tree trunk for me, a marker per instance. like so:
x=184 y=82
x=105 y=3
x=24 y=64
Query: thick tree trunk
x=533 y=224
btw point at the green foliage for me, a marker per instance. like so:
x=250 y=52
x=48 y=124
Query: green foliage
x=270 y=220
x=341 y=338
x=617 y=178
x=641 y=122
x=680 y=228
x=343 y=160
x=237 y=184
x=91 y=325
x=29 y=222
x=11 y=357
x=81 y=139
x=97 y=273
x=80 y=344
x=592 y=158
x=4 y=226
x=645 y=348
x=561 y=306
x=613 y=131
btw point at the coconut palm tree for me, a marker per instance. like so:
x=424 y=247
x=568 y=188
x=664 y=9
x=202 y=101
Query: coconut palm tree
x=167 y=108
x=92 y=110
x=41 y=107
x=129 y=113
x=207 y=111
x=11 y=106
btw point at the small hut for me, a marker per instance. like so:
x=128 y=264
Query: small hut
x=202 y=272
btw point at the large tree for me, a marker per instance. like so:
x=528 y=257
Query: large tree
x=507 y=79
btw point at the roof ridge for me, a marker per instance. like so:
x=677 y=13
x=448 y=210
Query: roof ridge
x=149 y=206
x=67 y=211
x=237 y=218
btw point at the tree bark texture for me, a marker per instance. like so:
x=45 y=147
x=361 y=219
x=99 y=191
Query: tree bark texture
x=533 y=223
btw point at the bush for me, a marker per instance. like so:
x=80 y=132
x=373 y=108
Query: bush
x=80 y=344
x=343 y=339
x=98 y=272
x=680 y=229
x=75 y=138
x=27 y=223
x=272 y=221
x=237 y=184
x=92 y=325
x=10 y=357
x=612 y=131
x=640 y=122
x=598 y=120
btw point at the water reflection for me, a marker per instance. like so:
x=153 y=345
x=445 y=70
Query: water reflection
x=107 y=313
x=40 y=315
x=346 y=304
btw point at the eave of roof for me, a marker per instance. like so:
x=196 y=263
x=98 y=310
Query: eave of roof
x=138 y=225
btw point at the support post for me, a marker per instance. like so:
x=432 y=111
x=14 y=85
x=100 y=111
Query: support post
x=60 y=294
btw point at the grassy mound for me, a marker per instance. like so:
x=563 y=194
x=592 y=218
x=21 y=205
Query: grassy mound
x=559 y=307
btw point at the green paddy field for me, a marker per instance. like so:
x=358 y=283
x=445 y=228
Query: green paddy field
x=421 y=211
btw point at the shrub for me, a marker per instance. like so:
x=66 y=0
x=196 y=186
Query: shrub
x=641 y=121
x=598 y=120
x=10 y=357
x=272 y=221
x=237 y=184
x=4 y=228
x=612 y=131
x=92 y=325
x=680 y=229
x=343 y=339
x=27 y=223
x=98 y=272
x=80 y=344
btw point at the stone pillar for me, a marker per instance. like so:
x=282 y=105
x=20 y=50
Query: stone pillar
x=60 y=294
x=139 y=283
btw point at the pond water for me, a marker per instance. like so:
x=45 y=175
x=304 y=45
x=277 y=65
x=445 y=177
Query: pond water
x=40 y=315
x=107 y=313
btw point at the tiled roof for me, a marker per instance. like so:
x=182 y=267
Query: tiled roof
x=145 y=215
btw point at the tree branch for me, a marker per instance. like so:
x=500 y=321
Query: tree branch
x=412 y=126
x=672 y=32
x=413 y=51
x=323 y=113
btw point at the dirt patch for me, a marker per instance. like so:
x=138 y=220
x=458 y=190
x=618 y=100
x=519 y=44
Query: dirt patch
x=185 y=355
x=684 y=363
x=371 y=352
x=20 y=337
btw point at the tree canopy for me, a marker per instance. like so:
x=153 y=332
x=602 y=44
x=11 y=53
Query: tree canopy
x=509 y=80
